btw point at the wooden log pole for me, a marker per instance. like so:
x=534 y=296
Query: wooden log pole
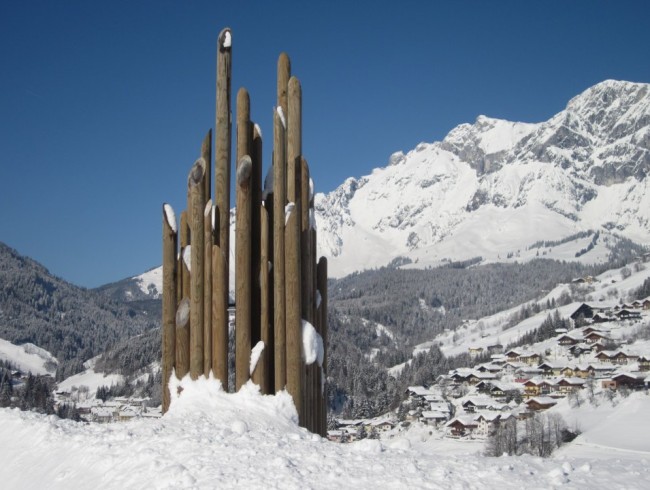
x=223 y=156
x=243 y=296
x=307 y=293
x=279 y=203
x=256 y=253
x=219 y=318
x=322 y=289
x=293 y=300
x=208 y=242
x=243 y=274
x=168 y=347
x=196 y=190
x=183 y=338
x=208 y=234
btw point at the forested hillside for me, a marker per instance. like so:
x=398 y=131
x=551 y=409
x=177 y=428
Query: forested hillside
x=72 y=323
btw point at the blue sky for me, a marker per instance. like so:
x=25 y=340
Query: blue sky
x=103 y=105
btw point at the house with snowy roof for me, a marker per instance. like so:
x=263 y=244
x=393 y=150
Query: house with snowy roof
x=549 y=368
x=530 y=358
x=540 y=403
x=566 y=385
x=462 y=426
x=434 y=418
x=632 y=380
x=618 y=357
x=536 y=387
x=568 y=339
x=486 y=424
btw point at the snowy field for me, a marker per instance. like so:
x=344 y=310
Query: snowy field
x=210 y=439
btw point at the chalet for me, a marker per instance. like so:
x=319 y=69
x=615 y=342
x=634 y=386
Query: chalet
x=598 y=347
x=583 y=311
x=462 y=426
x=600 y=370
x=527 y=372
x=475 y=378
x=567 y=385
x=512 y=367
x=495 y=349
x=434 y=418
x=637 y=305
x=600 y=318
x=101 y=415
x=625 y=314
x=536 y=387
x=646 y=304
x=440 y=407
x=381 y=425
x=568 y=340
x=608 y=384
x=416 y=394
x=488 y=368
x=483 y=387
x=540 y=403
x=616 y=357
x=513 y=355
x=644 y=363
x=579 y=349
x=127 y=414
x=588 y=330
x=634 y=381
x=532 y=359
x=418 y=391
x=584 y=280
x=569 y=371
x=486 y=424
x=550 y=369
x=594 y=337
x=475 y=403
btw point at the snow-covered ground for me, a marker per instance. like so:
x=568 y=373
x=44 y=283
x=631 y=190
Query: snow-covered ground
x=28 y=358
x=210 y=439
x=90 y=380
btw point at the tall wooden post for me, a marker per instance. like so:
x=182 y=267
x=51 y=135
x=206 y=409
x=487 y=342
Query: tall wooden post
x=321 y=273
x=256 y=203
x=279 y=203
x=295 y=364
x=221 y=251
x=169 y=301
x=196 y=190
x=208 y=241
x=243 y=240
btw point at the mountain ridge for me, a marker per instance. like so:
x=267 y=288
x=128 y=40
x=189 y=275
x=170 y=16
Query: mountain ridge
x=500 y=186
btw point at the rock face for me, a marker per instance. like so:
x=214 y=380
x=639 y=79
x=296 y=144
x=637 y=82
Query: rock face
x=494 y=187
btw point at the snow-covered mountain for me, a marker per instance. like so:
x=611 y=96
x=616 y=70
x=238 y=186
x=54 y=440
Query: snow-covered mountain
x=494 y=188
